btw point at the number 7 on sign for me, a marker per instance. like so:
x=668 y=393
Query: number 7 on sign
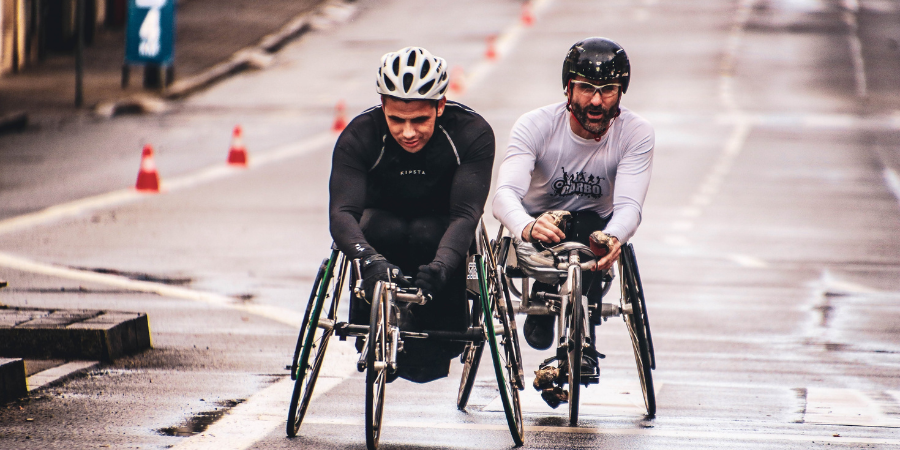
x=150 y=30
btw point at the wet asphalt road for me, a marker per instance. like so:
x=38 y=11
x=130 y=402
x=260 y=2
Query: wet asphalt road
x=769 y=245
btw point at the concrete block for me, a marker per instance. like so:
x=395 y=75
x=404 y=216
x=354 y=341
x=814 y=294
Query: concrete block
x=12 y=379
x=74 y=334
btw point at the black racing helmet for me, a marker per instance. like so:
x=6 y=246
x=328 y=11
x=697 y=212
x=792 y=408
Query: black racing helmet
x=598 y=59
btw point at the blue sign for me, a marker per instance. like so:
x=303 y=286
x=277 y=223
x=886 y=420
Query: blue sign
x=150 y=36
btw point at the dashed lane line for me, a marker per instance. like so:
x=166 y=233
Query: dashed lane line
x=202 y=176
x=504 y=44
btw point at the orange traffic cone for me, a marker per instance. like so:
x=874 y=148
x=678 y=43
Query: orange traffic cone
x=148 y=178
x=457 y=76
x=237 y=156
x=491 y=53
x=340 y=122
x=527 y=16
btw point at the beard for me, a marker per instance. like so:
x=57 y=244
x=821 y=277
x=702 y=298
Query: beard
x=597 y=126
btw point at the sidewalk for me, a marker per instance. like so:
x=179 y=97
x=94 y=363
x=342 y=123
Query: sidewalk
x=208 y=33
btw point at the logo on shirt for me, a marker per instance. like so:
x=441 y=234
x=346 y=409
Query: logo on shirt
x=581 y=184
x=412 y=172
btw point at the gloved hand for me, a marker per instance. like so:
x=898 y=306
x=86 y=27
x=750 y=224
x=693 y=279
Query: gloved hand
x=375 y=268
x=432 y=277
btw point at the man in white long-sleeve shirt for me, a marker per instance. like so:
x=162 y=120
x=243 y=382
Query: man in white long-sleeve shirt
x=588 y=156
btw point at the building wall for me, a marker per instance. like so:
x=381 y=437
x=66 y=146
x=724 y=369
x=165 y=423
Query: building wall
x=30 y=28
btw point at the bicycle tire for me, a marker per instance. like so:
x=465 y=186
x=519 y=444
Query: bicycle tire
x=640 y=288
x=576 y=349
x=471 y=359
x=376 y=369
x=504 y=361
x=313 y=339
x=638 y=330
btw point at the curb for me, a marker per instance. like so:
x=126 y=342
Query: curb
x=12 y=379
x=59 y=374
x=258 y=56
x=72 y=334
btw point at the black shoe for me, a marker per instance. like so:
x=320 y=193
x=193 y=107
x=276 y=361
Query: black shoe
x=589 y=366
x=539 y=331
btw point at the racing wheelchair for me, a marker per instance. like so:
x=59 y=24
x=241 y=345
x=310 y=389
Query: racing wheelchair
x=491 y=320
x=562 y=265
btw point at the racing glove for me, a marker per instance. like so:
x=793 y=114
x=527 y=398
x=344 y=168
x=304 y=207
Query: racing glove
x=376 y=268
x=432 y=277
x=601 y=243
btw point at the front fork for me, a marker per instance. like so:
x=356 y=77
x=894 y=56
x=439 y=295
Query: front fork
x=565 y=326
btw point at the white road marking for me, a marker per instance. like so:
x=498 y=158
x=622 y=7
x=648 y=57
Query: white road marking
x=263 y=412
x=830 y=406
x=613 y=396
x=893 y=182
x=48 y=376
x=212 y=173
x=504 y=43
x=828 y=284
x=748 y=261
x=282 y=315
x=851 y=9
x=736 y=141
x=723 y=436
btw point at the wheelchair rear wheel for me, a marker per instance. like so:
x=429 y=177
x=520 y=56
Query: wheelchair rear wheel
x=638 y=326
x=314 y=335
x=505 y=351
x=376 y=365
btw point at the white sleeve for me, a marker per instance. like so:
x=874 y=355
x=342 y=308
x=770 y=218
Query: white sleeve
x=514 y=177
x=632 y=182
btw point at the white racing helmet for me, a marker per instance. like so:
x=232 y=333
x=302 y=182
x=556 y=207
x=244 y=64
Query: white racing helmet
x=412 y=73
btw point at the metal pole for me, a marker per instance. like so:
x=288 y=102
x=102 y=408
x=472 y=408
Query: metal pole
x=79 y=54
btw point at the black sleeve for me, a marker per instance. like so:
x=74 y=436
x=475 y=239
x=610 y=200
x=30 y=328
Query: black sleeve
x=347 y=193
x=468 y=193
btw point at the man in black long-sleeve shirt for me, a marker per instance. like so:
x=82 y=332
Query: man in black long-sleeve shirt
x=409 y=180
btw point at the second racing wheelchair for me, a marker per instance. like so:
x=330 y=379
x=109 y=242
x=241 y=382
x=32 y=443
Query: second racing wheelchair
x=559 y=268
x=492 y=320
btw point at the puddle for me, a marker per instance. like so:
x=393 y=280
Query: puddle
x=201 y=421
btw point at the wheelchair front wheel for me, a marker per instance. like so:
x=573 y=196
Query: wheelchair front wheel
x=313 y=338
x=376 y=365
x=575 y=344
x=471 y=359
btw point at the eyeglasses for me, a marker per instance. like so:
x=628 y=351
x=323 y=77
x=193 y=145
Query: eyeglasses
x=587 y=90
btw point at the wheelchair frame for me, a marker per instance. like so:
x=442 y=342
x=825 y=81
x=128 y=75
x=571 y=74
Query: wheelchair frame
x=383 y=340
x=572 y=326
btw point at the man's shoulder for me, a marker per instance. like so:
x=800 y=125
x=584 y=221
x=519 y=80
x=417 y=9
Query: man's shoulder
x=543 y=116
x=633 y=119
x=458 y=115
x=370 y=118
